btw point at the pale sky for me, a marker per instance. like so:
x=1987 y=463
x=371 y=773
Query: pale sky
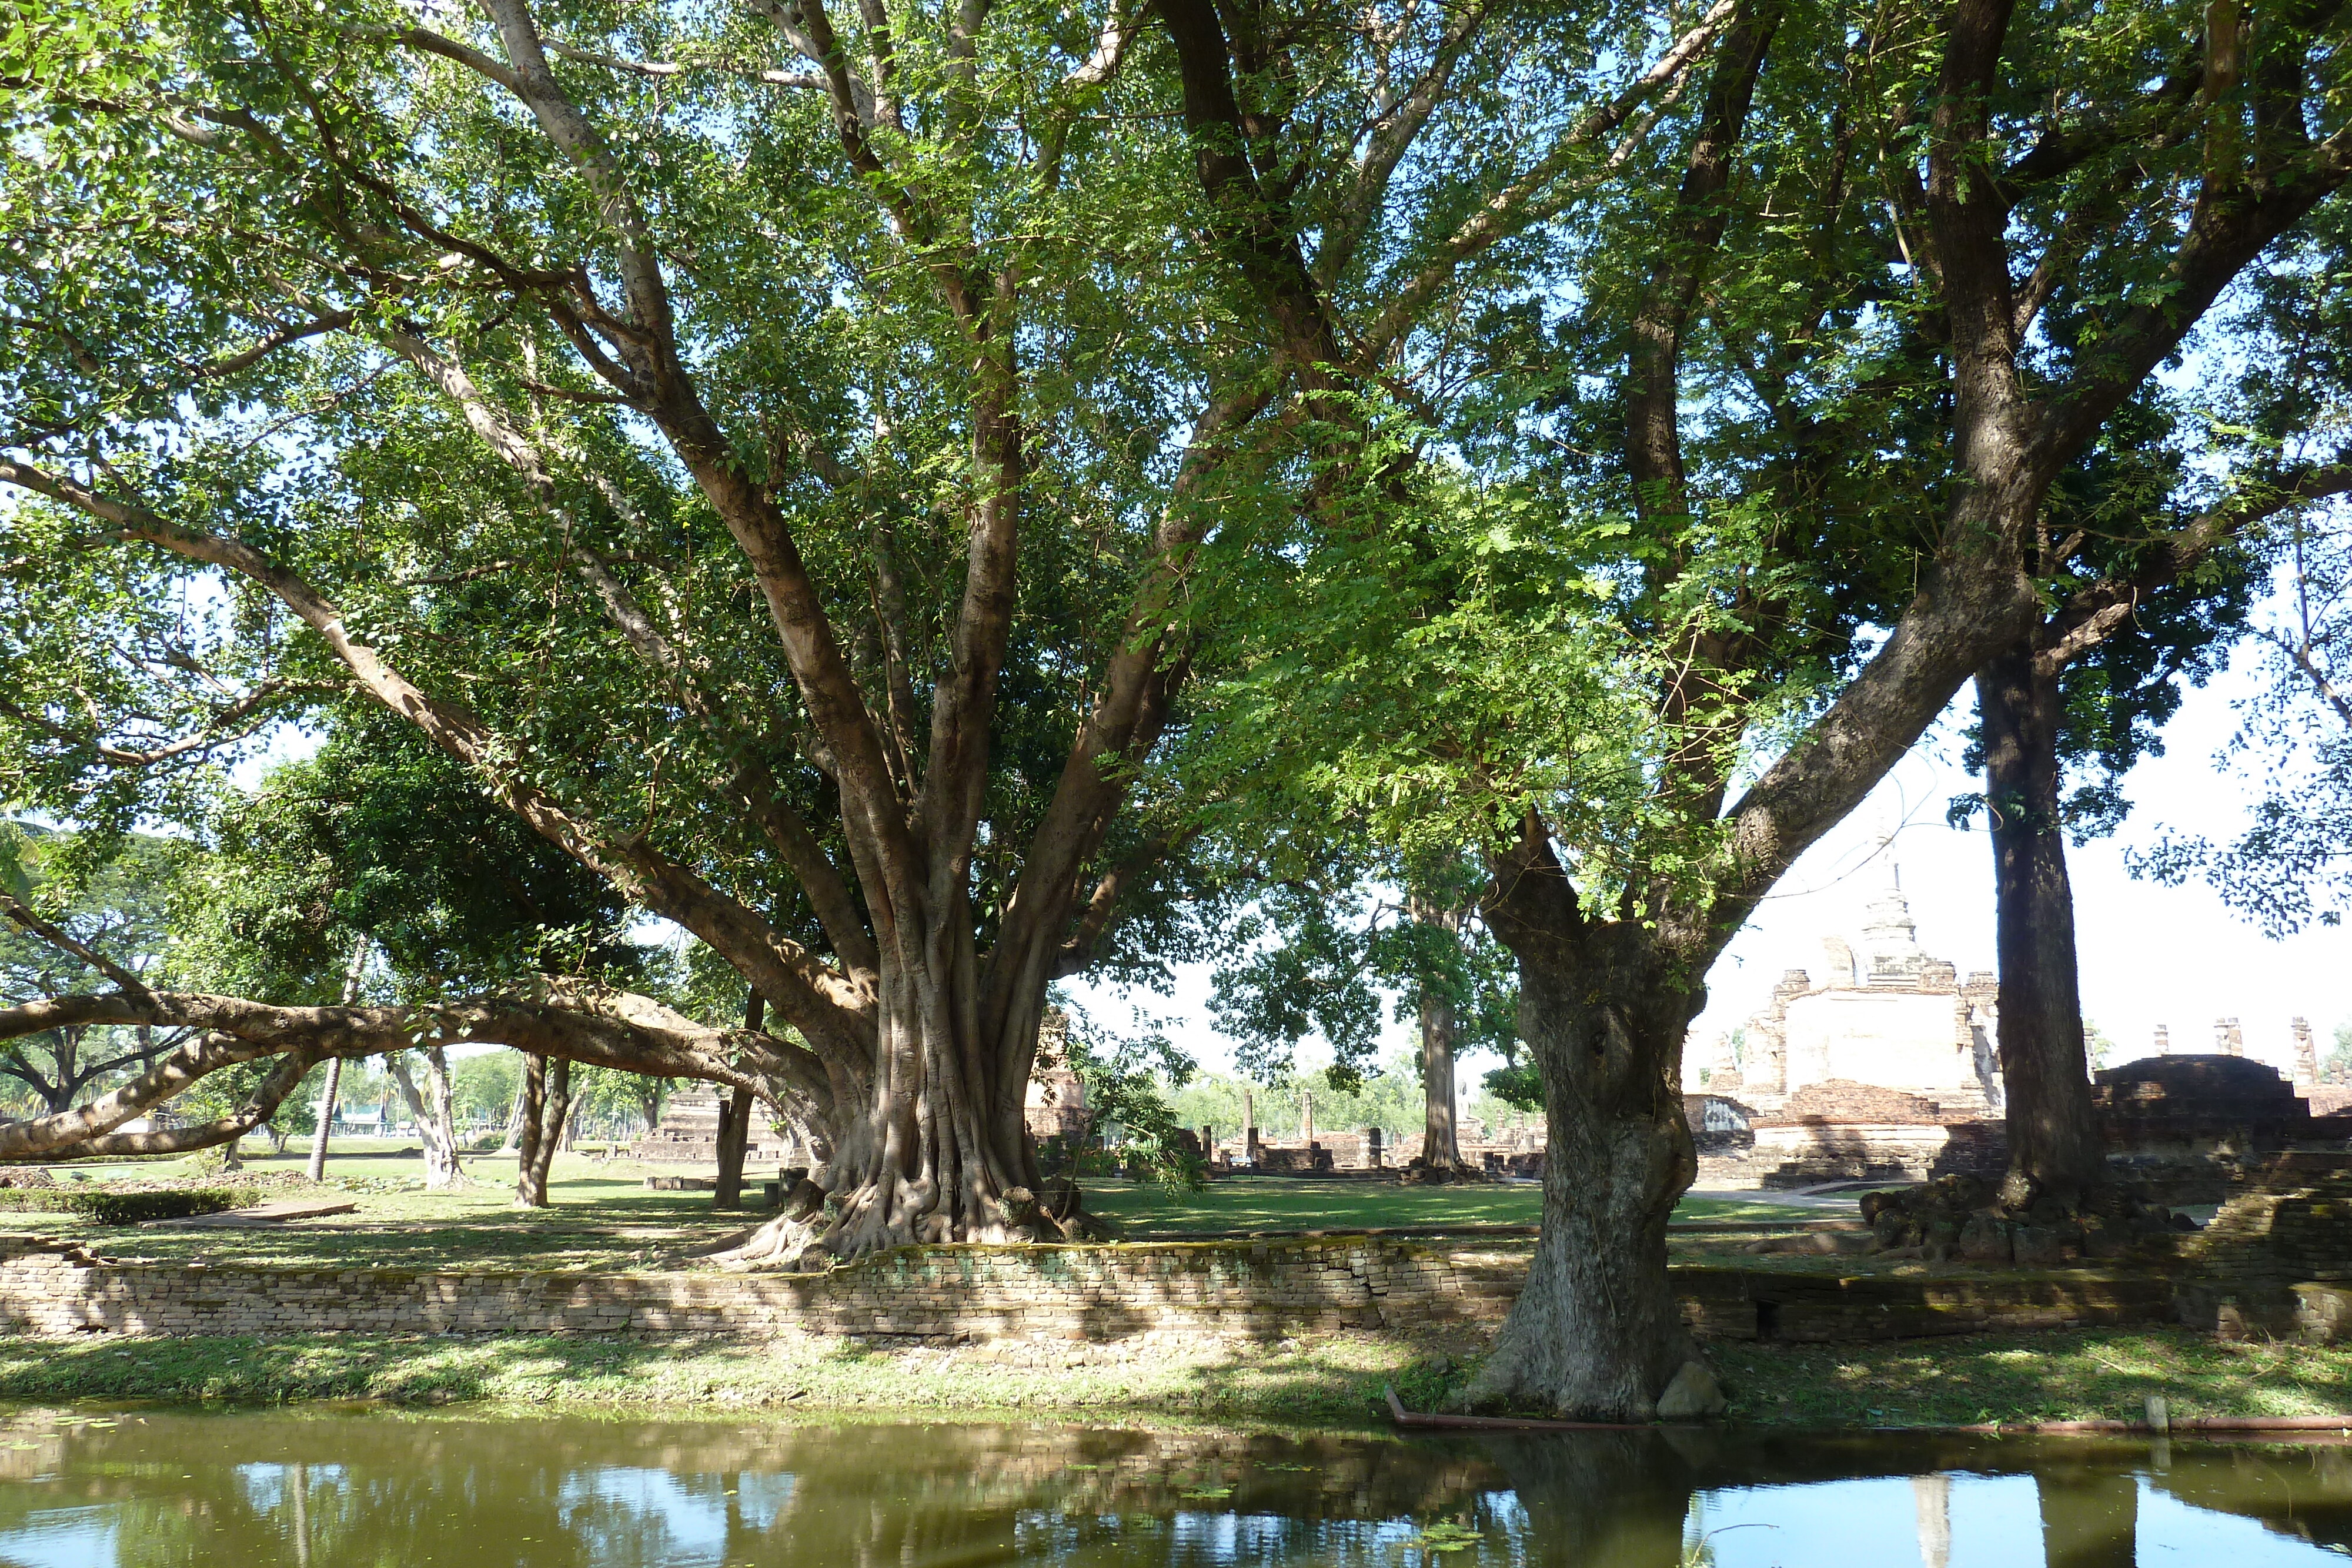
x=2150 y=954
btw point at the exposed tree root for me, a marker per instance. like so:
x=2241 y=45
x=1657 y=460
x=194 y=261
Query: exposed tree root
x=802 y=1237
x=783 y=1242
x=1441 y=1172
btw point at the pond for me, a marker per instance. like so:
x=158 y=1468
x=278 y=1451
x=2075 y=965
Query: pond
x=322 y=1488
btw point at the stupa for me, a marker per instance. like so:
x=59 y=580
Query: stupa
x=1895 y=1016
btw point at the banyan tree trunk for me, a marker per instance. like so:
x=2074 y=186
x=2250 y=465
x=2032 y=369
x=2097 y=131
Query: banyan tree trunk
x=2054 y=1131
x=317 y=1170
x=936 y=1146
x=943 y=1142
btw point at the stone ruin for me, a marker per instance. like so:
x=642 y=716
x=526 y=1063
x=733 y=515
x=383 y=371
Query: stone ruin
x=1896 y=1018
x=687 y=1134
x=1884 y=1068
x=1314 y=1151
x=1056 y=1105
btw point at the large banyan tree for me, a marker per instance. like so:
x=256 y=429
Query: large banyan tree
x=762 y=442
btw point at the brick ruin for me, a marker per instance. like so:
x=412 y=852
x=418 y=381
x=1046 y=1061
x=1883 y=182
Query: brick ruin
x=1883 y=1069
x=1896 y=1018
x=1886 y=1069
x=687 y=1134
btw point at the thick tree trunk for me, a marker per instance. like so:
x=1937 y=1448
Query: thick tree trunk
x=936 y=1147
x=2054 y=1131
x=734 y=1141
x=937 y=1154
x=531 y=1102
x=1441 y=1147
x=317 y=1170
x=555 y=1116
x=1596 y=1334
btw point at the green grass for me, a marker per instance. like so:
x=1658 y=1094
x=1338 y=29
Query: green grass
x=1239 y=1205
x=2077 y=1375
x=604 y=1218
x=1325 y=1379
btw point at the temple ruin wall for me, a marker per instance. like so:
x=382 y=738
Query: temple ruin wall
x=54 y=1289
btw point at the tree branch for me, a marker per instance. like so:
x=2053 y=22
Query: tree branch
x=2092 y=614
x=827 y=1007
x=576 y=1021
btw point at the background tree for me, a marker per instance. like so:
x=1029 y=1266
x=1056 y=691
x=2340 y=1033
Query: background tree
x=110 y=898
x=1329 y=952
x=484 y=1084
x=2292 y=749
x=379 y=868
x=1752 y=502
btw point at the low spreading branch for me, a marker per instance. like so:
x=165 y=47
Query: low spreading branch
x=573 y=1019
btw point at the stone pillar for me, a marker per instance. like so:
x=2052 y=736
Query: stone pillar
x=1371 y=1148
x=2306 y=1055
x=1209 y=1143
x=1306 y=1117
x=2228 y=1039
x=2163 y=1041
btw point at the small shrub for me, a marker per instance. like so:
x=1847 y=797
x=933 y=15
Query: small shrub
x=108 y=1208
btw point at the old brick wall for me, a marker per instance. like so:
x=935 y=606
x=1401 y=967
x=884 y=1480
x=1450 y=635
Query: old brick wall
x=54 y=1288
x=1245 y=1289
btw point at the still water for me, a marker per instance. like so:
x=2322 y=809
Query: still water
x=131 y=1489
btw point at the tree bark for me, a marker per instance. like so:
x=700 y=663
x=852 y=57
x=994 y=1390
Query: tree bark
x=530 y=1179
x=734 y=1141
x=1441 y=1147
x=735 y=1123
x=555 y=1111
x=436 y=1126
x=2054 y=1131
x=515 y=1112
x=318 y=1166
x=1596 y=1334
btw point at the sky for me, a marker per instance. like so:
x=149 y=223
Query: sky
x=2150 y=955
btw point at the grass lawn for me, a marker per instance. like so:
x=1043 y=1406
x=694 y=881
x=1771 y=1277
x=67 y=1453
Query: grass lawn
x=1320 y=1379
x=604 y=1218
x=1246 y=1203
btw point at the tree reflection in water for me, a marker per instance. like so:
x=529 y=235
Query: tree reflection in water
x=319 y=1490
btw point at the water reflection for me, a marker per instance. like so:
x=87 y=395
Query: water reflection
x=324 y=1489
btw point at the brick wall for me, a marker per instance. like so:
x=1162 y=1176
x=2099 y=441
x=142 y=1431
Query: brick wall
x=1261 y=1289
x=54 y=1288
